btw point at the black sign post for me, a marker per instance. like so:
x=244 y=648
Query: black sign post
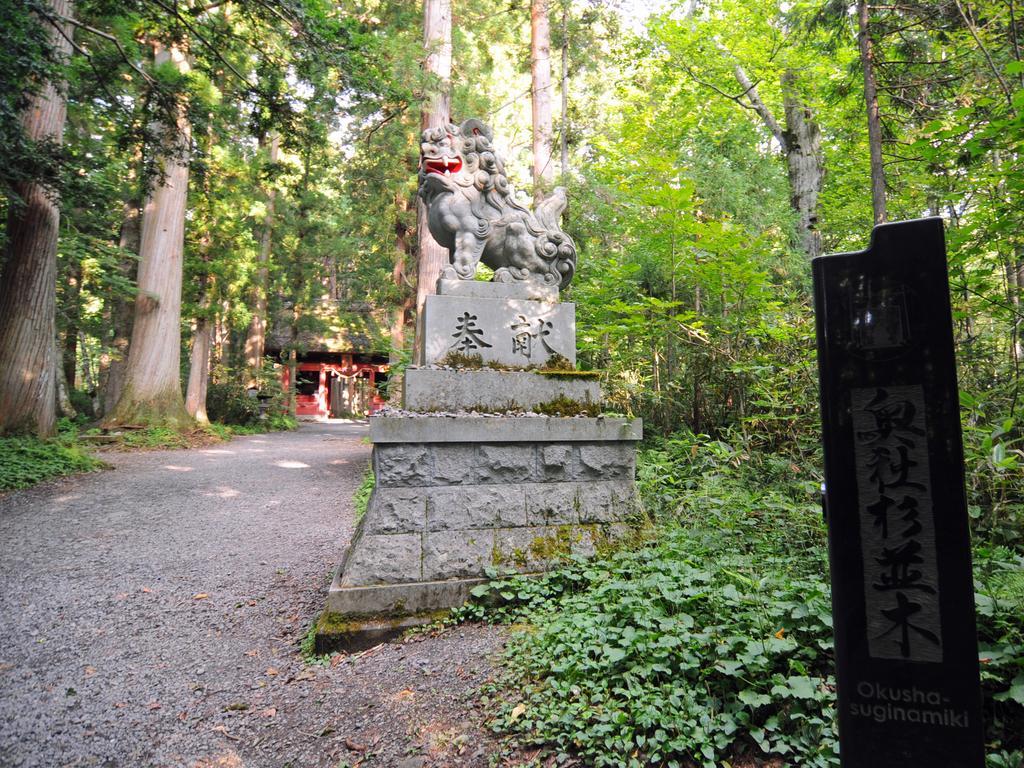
x=899 y=547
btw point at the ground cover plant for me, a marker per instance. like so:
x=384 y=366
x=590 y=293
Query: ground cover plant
x=25 y=461
x=712 y=641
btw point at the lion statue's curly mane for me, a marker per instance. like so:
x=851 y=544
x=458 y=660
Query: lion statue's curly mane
x=472 y=213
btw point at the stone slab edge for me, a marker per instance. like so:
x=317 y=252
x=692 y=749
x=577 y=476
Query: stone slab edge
x=478 y=289
x=497 y=429
x=379 y=600
x=427 y=389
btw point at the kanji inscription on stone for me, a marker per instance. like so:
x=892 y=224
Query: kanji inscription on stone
x=899 y=548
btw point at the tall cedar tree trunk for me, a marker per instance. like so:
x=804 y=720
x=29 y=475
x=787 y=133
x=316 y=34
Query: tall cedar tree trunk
x=436 y=113
x=199 y=362
x=255 y=341
x=540 y=70
x=72 y=294
x=867 y=62
x=564 y=132
x=28 y=284
x=804 y=164
x=152 y=387
x=800 y=143
x=114 y=363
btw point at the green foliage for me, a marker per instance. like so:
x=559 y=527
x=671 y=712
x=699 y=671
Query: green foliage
x=361 y=500
x=230 y=403
x=713 y=639
x=25 y=461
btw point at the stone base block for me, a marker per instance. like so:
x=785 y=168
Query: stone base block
x=334 y=632
x=517 y=332
x=376 y=600
x=532 y=290
x=447 y=508
x=431 y=389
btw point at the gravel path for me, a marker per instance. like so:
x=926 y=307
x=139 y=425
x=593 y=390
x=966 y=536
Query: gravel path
x=151 y=616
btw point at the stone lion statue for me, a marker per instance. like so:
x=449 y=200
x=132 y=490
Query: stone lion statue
x=471 y=212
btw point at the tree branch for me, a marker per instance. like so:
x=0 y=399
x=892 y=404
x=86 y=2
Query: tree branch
x=988 y=57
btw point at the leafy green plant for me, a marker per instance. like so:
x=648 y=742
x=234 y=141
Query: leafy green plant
x=25 y=461
x=361 y=500
x=712 y=640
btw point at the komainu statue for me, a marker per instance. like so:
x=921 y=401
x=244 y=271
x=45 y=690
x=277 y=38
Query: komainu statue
x=472 y=213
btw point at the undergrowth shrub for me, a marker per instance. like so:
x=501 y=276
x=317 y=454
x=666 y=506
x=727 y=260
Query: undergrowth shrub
x=229 y=403
x=713 y=640
x=25 y=461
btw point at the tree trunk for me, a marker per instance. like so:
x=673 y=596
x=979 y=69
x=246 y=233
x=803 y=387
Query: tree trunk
x=71 y=312
x=400 y=314
x=28 y=284
x=152 y=387
x=436 y=113
x=121 y=315
x=800 y=143
x=804 y=163
x=199 y=371
x=540 y=70
x=564 y=132
x=255 y=341
x=867 y=61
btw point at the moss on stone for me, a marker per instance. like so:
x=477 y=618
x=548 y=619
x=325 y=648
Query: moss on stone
x=564 y=406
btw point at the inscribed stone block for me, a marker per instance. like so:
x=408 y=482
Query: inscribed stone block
x=403 y=465
x=552 y=503
x=606 y=461
x=475 y=506
x=396 y=510
x=457 y=554
x=506 y=463
x=384 y=559
x=509 y=331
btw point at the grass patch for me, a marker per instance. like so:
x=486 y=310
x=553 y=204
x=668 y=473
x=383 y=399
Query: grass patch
x=25 y=461
x=361 y=500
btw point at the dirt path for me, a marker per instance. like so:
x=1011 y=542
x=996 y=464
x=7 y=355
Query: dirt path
x=151 y=616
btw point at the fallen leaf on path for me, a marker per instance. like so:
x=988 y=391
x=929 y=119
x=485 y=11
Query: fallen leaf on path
x=271 y=671
x=354 y=746
x=120 y=704
x=406 y=693
x=517 y=711
x=238 y=706
x=306 y=674
x=269 y=712
x=146 y=589
x=253 y=652
x=154 y=705
x=183 y=715
x=337 y=658
x=5 y=667
x=200 y=596
x=90 y=671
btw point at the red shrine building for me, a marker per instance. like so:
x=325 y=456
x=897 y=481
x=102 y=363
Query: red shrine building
x=337 y=376
x=337 y=384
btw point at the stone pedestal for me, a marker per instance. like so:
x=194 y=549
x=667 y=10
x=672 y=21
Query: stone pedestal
x=457 y=494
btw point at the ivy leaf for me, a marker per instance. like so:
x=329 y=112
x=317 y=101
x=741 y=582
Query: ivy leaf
x=1015 y=692
x=753 y=699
